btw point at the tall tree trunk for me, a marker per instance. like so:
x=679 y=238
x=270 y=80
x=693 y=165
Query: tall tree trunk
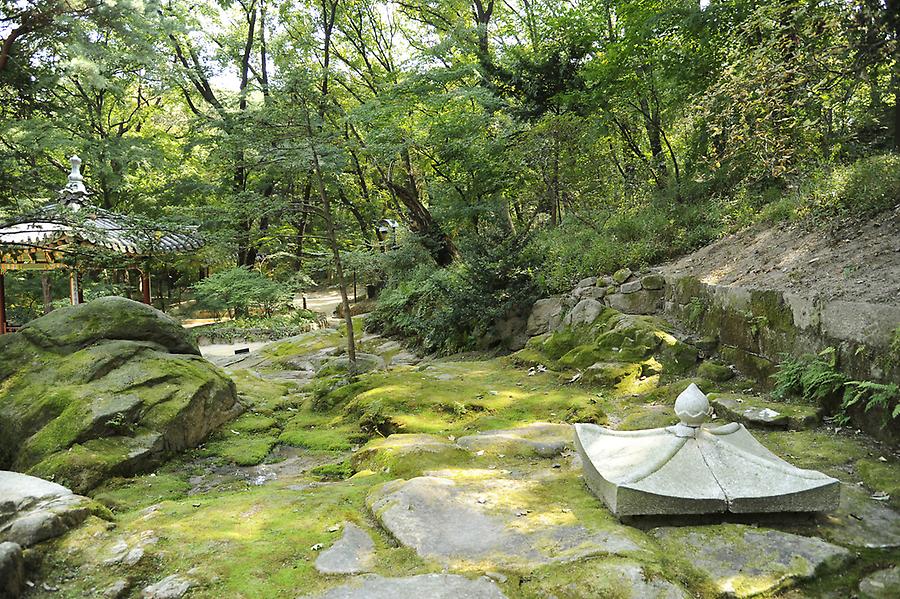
x=329 y=12
x=335 y=251
x=652 y=127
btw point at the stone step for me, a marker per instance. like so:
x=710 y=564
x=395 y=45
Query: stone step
x=755 y=412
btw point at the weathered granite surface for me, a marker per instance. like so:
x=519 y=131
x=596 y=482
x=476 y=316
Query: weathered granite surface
x=543 y=439
x=861 y=521
x=883 y=584
x=755 y=412
x=33 y=510
x=353 y=553
x=485 y=515
x=742 y=561
x=430 y=586
x=603 y=577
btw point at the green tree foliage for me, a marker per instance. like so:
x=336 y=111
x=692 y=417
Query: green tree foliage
x=606 y=133
x=239 y=290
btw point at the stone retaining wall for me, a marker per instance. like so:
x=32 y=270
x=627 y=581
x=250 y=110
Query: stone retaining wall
x=753 y=329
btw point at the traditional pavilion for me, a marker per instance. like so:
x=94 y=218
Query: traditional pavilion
x=48 y=238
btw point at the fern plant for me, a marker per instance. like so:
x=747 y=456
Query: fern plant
x=874 y=395
x=816 y=379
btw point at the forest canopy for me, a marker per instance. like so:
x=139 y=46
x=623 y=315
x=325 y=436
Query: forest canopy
x=520 y=144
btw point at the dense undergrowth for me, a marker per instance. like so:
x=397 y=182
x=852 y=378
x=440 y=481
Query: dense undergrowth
x=453 y=309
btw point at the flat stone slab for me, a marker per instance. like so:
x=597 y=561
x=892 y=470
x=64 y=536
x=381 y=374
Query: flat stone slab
x=622 y=579
x=883 y=584
x=757 y=413
x=401 y=453
x=861 y=521
x=34 y=510
x=543 y=439
x=430 y=586
x=353 y=553
x=484 y=516
x=742 y=561
x=170 y=587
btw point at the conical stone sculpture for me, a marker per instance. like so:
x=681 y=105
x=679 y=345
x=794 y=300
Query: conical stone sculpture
x=696 y=468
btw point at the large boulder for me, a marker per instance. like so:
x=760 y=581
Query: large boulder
x=12 y=571
x=104 y=388
x=34 y=510
x=546 y=314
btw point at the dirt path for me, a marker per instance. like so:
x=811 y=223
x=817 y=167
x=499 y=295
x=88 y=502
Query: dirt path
x=849 y=259
x=324 y=301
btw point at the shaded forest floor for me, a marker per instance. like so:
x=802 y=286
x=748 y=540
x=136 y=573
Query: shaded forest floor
x=249 y=513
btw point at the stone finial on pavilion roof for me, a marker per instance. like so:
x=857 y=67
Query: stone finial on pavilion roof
x=696 y=467
x=74 y=193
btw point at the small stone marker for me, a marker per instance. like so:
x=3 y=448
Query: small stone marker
x=694 y=468
x=353 y=553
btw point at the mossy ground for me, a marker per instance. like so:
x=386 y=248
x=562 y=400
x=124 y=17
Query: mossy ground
x=241 y=539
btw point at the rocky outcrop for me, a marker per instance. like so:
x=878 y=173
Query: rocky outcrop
x=744 y=561
x=12 y=570
x=104 y=388
x=34 y=510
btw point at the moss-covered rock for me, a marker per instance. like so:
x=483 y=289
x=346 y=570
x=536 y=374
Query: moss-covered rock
x=714 y=371
x=105 y=388
x=408 y=454
x=613 y=338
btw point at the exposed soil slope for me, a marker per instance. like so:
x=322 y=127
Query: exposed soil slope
x=848 y=259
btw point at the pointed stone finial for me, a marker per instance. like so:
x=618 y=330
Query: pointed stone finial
x=692 y=406
x=73 y=194
x=76 y=181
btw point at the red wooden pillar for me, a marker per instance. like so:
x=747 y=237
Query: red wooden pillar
x=145 y=287
x=2 y=304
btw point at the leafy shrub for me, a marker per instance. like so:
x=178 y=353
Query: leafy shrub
x=256 y=328
x=238 y=290
x=635 y=235
x=866 y=186
x=812 y=378
x=449 y=310
x=872 y=395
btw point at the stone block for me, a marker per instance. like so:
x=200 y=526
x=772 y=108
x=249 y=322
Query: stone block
x=544 y=313
x=653 y=282
x=640 y=302
x=621 y=275
x=630 y=287
x=744 y=561
x=585 y=312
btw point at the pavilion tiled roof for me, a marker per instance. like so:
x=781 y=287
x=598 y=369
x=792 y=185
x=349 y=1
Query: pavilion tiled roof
x=70 y=220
